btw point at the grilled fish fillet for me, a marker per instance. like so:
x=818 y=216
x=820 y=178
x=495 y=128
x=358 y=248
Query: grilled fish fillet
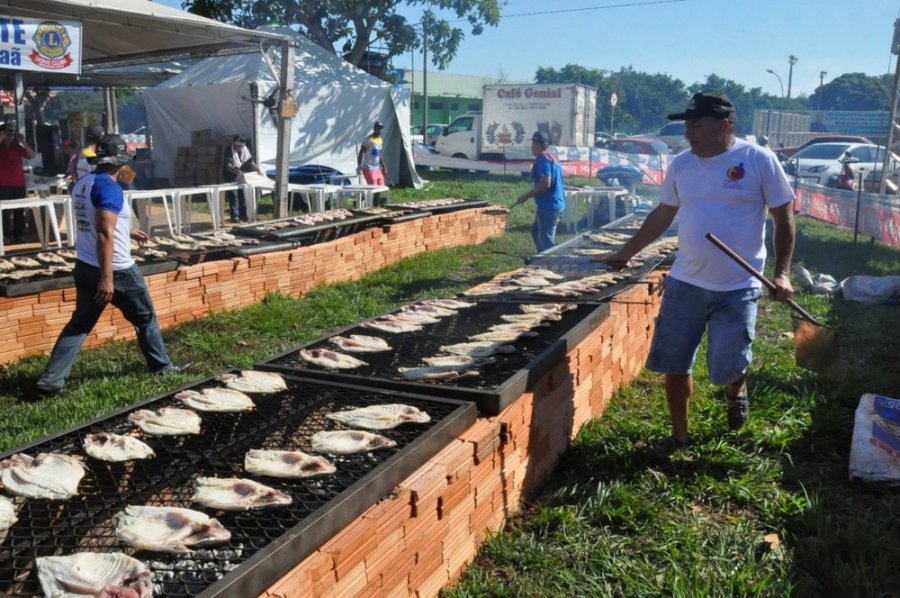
x=168 y=421
x=478 y=348
x=286 y=464
x=7 y=513
x=254 y=381
x=331 y=359
x=348 y=442
x=216 y=399
x=94 y=574
x=49 y=475
x=115 y=447
x=236 y=494
x=380 y=417
x=169 y=529
x=360 y=343
x=393 y=327
x=441 y=372
x=449 y=303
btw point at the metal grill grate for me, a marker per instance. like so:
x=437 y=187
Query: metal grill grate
x=463 y=205
x=498 y=382
x=308 y=234
x=286 y=420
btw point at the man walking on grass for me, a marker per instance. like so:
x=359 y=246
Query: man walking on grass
x=725 y=186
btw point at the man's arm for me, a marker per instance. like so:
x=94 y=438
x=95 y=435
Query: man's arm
x=543 y=185
x=29 y=153
x=784 y=237
x=654 y=225
x=105 y=221
x=359 y=157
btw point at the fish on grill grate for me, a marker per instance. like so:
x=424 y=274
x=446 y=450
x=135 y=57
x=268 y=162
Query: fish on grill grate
x=460 y=361
x=69 y=254
x=169 y=529
x=348 y=442
x=47 y=257
x=478 y=348
x=410 y=317
x=49 y=475
x=360 y=343
x=487 y=288
x=7 y=513
x=530 y=281
x=254 y=381
x=106 y=446
x=544 y=273
x=380 y=417
x=94 y=574
x=331 y=359
x=222 y=400
x=168 y=421
x=237 y=494
x=286 y=464
x=501 y=336
x=6 y=265
x=533 y=318
x=24 y=262
x=449 y=303
x=514 y=327
x=393 y=327
x=556 y=308
x=434 y=311
x=440 y=372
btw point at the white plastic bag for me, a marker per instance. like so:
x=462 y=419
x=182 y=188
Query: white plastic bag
x=872 y=290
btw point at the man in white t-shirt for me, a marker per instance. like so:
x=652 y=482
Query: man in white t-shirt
x=370 y=160
x=236 y=161
x=725 y=186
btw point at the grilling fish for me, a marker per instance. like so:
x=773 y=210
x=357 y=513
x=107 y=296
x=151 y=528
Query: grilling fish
x=530 y=281
x=254 y=381
x=6 y=265
x=7 y=514
x=331 y=359
x=46 y=257
x=347 y=442
x=533 y=318
x=115 y=447
x=410 y=317
x=49 y=475
x=430 y=310
x=286 y=464
x=501 y=336
x=360 y=343
x=69 y=254
x=545 y=273
x=388 y=326
x=169 y=529
x=530 y=308
x=24 y=262
x=168 y=421
x=449 y=303
x=441 y=372
x=94 y=574
x=216 y=399
x=478 y=348
x=236 y=494
x=457 y=360
x=380 y=417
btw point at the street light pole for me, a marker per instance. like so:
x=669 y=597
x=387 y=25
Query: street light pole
x=821 y=83
x=780 y=84
x=792 y=60
x=892 y=124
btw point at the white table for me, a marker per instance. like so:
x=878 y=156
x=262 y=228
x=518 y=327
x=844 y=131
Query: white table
x=218 y=205
x=36 y=204
x=185 y=195
x=590 y=197
x=143 y=200
x=315 y=194
x=363 y=194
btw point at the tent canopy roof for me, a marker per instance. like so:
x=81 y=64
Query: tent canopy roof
x=120 y=32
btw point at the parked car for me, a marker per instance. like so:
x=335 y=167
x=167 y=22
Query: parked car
x=672 y=135
x=434 y=131
x=784 y=152
x=601 y=137
x=637 y=145
x=821 y=161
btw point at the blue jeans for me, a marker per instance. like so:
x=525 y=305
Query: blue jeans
x=132 y=298
x=237 y=205
x=543 y=231
x=687 y=311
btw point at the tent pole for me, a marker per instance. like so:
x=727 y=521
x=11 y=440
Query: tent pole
x=19 y=95
x=286 y=110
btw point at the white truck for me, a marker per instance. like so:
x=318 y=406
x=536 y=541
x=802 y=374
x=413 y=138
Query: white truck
x=511 y=114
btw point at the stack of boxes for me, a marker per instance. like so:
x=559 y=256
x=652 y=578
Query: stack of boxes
x=201 y=162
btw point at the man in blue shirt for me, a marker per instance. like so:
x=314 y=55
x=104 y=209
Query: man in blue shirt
x=546 y=176
x=104 y=271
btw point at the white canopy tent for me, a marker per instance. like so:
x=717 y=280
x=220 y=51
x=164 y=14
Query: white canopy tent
x=336 y=107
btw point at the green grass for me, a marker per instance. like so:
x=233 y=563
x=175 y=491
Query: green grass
x=616 y=519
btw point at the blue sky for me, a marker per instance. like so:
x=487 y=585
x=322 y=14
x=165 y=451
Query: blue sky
x=687 y=39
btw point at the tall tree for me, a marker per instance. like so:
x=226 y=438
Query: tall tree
x=355 y=25
x=854 y=91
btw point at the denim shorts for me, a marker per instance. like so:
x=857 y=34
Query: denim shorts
x=728 y=318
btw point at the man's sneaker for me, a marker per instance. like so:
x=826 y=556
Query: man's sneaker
x=738 y=411
x=176 y=368
x=50 y=393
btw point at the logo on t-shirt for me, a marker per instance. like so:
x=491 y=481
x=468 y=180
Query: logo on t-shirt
x=735 y=174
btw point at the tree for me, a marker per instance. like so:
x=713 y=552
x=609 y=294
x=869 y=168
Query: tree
x=854 y=91
x=361 y=23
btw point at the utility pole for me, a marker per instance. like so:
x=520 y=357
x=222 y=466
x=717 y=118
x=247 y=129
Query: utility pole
x=892 y=123
x=821 y=83
x=792 y=60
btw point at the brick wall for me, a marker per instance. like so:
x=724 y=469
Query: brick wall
x=423 y=537
x=30 y=324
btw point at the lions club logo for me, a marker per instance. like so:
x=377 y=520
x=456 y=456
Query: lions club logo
x=736 y=173
x=52 y=43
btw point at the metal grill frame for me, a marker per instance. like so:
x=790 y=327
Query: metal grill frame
x=490 y=401
x=303 y=233
x=469 y=203
x=279 y=556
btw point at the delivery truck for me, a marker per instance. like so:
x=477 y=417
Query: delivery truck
x=510 y=115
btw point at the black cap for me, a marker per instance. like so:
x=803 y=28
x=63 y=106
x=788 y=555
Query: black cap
x=540 y=137
x=94 y=134
x=714 y=104
x=378 y=125
x=112 y=150
x=240 y=138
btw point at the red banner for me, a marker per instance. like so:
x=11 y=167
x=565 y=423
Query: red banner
x=879 y=215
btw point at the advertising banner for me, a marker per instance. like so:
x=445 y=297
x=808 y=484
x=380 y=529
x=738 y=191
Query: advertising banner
x=40 y=45
x=879 y=215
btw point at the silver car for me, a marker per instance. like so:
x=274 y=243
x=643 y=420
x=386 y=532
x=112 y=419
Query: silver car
x=819 y=162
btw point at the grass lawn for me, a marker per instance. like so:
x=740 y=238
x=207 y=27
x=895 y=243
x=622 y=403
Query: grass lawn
x=616 y=520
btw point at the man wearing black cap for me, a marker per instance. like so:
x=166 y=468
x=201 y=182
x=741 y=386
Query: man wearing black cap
x=546 y=176
x=105 y=271
x=370 y=160
x=726 y=186
x=238 y=160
